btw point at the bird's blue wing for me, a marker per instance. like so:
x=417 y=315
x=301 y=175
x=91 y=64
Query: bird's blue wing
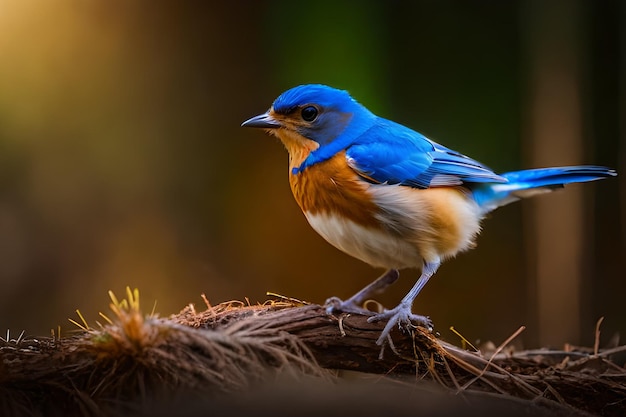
x=394 y=154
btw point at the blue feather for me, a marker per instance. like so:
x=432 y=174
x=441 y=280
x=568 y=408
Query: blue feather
x=379 y=149
x=394 y=154
x=319 y=94
x=521 y=184
x=386 y=152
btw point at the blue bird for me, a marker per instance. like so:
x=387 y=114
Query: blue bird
x=389 y=196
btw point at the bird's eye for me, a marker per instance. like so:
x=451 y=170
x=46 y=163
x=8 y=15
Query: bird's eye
x=309 y=113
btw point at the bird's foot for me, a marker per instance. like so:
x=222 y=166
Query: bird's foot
x=403 y=318
x=354 y=303
x=337 y=305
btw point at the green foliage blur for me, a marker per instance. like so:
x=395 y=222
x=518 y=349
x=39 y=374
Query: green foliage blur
x=122 y=161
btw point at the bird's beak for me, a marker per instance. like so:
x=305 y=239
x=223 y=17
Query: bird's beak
x=264 y=120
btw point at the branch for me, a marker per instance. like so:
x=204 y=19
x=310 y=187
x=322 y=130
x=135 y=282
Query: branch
x=553 y=378
x=231 y=347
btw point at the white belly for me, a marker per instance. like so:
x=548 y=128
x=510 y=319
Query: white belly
x=416 y=226
x=375 y=247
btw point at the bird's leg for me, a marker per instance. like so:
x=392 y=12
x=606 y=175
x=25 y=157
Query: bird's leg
x=354 y=303
x=401 y=315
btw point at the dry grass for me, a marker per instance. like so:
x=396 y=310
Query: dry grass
x=132 y=357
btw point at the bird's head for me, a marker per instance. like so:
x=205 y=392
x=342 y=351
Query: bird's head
x=314 y=116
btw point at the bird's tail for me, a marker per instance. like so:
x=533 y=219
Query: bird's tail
x=523 y=184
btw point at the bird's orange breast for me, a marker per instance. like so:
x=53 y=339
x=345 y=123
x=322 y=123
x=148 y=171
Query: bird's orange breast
x=332 y=187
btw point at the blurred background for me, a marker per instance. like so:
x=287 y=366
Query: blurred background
x=122 y=161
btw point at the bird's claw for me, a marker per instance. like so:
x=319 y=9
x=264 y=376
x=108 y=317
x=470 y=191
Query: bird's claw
x=337 y=305
x=403 y=318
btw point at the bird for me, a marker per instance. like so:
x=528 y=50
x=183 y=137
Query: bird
x=389 y=196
